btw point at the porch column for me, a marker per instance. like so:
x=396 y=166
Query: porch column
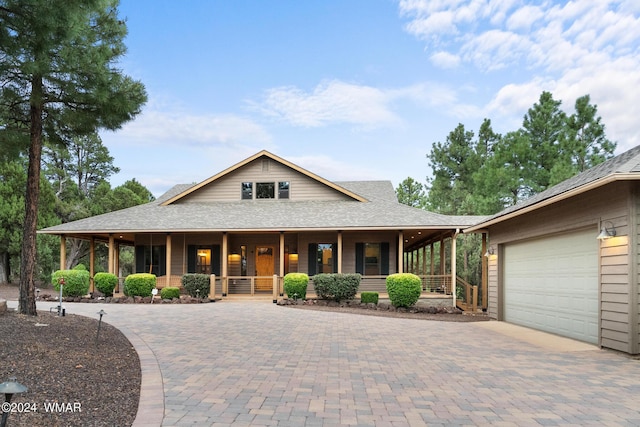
x=485 y=272
x=92 y=263
x=282 y=255
x=454 y=273
x=339 y=252
x=63 y=252
x=400 y=251
x=225 y=256
x=168 y=261
x=442 y=260
x=111 y=262
x=424 y=260
x=116 y=258
x=433 y=260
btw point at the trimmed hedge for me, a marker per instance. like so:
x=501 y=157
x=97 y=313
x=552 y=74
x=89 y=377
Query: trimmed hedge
x=192 y=283
x=169 y=292
x=369 y=297
x=76 y=282
x=336 y=287
x=105 y=283
x=404 y=289
x=295 y=285
x=139 y=284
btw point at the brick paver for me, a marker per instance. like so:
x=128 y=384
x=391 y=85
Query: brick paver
x=243 y=363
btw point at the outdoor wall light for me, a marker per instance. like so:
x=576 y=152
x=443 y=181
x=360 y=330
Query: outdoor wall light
x=489 y=252
x=606 y=232
x=9 y=388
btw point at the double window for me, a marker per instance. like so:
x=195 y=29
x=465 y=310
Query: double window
x=265 y=190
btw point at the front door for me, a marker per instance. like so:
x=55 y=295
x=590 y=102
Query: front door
x=264 y=267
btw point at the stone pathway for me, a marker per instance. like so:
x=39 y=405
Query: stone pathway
x=244 y=363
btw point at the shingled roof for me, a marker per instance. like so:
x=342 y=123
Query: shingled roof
x=625 y=166
x=382 y=211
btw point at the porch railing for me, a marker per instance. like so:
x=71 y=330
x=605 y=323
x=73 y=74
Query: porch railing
x=467 y=296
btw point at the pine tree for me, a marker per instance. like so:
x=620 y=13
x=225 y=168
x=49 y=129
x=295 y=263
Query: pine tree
x=59 y=80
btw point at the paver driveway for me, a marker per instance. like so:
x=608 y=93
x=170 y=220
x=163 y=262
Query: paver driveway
x=248 y=363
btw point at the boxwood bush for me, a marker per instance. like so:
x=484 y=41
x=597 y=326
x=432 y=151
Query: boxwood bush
x=105 y=283
x=295 y=285
x=369 y=297
x=404 y=289
x=76 y=282
x=192 y=283
x=336 y=287
x=139 y=284
x=169 y=292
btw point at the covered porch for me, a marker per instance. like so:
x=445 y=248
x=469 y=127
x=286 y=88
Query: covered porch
x=253 y=264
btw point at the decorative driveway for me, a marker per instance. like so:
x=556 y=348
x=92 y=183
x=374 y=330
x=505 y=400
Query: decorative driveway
x=255 y=363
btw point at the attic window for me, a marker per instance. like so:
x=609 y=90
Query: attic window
x=283 y=190
x=247 y=190
x=265 y=190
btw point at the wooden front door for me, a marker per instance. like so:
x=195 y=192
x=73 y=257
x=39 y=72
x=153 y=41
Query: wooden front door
x=264 y=267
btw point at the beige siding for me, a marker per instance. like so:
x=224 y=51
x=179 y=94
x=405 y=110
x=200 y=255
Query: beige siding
x=610 y=203
x=228 y=187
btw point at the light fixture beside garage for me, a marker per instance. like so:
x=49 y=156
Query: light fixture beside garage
x=606 y=232
x=489 y=252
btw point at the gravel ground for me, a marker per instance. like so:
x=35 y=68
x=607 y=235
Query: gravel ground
x=95 y=382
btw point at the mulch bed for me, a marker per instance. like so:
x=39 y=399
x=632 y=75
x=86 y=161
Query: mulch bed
x=94 y=382
x=385 y=310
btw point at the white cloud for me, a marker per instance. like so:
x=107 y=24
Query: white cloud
x=333 y=169
x=329 y=103
x=445 y=60
x=174 y=127
x=570 y=49
x=523 y=18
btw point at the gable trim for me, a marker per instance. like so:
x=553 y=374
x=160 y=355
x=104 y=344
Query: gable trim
x=275 y=158
x=563 y=196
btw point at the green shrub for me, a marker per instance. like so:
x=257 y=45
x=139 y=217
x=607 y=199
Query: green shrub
x=192 y=283
x=169 y=292
x=105 y=283
x=369 y=297
x=76 y=282
x=404 y=289
x=336 y=287
x=295 y=285
x=80 y=267
x=139 y=284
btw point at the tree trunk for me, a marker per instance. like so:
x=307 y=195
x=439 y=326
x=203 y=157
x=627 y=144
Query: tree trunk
x=4 y=267
x=77 y=249
x=27 y=301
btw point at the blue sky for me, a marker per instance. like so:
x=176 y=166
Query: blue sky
x=359 y=89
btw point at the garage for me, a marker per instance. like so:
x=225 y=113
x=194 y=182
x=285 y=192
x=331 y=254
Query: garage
x=551 y=284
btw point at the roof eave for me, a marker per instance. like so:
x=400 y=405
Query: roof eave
x=563 y=196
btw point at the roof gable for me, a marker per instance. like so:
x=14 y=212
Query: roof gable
x=205 y=189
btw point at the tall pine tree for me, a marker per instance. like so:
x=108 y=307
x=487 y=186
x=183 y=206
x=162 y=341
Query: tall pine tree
x=59 y=80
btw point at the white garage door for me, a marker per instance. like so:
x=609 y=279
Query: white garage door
x=551 y=284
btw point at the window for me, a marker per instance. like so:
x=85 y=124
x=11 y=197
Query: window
x=325 y=258
x=203 y=261
x=151 y=259
x=283 y=190
x=247 y=190
x=265 y=190
x=372 y=259
x=243 y=260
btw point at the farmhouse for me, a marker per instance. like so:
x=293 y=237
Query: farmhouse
x=564 y=261
x=264 y=217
